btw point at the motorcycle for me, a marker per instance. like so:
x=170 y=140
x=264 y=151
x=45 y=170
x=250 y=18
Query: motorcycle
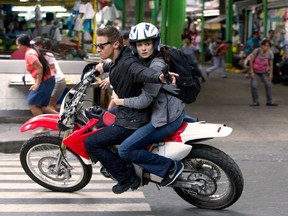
x=210 y=179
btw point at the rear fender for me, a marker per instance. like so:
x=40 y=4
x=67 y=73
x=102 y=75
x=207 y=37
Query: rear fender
x=204 y=130
x=44 y=120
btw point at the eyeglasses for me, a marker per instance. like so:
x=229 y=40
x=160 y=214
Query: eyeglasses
x=102 y=45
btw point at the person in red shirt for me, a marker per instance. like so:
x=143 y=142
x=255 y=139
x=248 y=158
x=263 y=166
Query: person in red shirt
x=44 y=80
x=219 y=59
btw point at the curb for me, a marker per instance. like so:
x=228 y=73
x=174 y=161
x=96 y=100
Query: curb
x=10 y=147
x=14 y=116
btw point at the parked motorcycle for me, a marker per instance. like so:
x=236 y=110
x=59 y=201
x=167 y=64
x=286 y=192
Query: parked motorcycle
x=282 y=67
x=210 y=179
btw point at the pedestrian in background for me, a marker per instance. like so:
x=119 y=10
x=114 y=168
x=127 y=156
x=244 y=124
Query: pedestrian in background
x=275 y=48
x=40 y=92
x=219 y=59
x=51 y=31
x=261 y=67
x=44 y=45
x=235 y=42
x=252 y=43
x=190 y=50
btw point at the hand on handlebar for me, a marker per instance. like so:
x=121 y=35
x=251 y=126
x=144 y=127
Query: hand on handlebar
x=169 y=78
x=105 y=83
x=99 y=67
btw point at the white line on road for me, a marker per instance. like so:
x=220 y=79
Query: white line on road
x=119 y=207
x=75 y=195
x=22 y=185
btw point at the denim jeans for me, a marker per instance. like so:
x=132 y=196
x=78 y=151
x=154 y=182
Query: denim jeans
x=218 y=62
x=97 y=147
x=132 y=149
x=254 y=91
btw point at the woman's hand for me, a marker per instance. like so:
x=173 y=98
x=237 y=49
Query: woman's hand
x=271 y=76
x=252 y=74
x=172 y=76
x=117 y=100
x=34 y=87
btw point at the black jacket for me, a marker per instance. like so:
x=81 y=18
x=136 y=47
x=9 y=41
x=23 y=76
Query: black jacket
x=127 y=75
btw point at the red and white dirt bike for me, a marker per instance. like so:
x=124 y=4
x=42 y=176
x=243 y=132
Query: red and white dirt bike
x=211 y=179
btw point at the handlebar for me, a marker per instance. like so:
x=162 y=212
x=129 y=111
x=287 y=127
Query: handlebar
x=166 y=74
x=73 y=98
x=90 y=75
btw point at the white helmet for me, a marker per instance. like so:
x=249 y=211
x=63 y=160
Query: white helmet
x=144 y=31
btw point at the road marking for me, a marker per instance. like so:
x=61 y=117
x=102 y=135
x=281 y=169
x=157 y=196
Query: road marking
x=18 y=193
x=79 y=194
x=9 y=176
x=33 y=185
x=93 y=207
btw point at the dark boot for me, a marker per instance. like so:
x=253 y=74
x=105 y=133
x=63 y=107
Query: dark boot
x=133 y=182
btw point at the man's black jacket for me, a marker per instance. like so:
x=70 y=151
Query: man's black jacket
x=127 y=75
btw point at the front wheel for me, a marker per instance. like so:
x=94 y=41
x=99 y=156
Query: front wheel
x=43 y=161
x=210 y=180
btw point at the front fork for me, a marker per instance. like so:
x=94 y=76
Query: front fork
x=62 y=153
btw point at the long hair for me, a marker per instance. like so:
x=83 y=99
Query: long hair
x=24 y=40
x=164 y=54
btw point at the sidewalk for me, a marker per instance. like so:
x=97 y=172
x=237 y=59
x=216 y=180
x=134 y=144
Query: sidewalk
x=11 y=139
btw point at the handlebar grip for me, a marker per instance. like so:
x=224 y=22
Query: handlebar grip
x=96 y=73
x=166 y=74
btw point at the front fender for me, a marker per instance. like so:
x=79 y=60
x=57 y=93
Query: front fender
x=44 y=120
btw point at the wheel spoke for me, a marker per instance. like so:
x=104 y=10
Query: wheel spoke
x=44 y=163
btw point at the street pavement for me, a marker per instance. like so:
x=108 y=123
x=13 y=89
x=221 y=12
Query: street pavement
x=221 y=100
x=19 y=195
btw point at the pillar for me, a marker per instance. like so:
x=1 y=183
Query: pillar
x=155 y=11
x=174 y=22
x=229 y=24
x=139 y=11
x=265 y=18
x=94 y=23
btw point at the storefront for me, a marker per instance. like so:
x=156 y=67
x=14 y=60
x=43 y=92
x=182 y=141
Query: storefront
x=277 y=20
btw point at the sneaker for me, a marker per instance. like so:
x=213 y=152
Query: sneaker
x=133 y=182
x=255 y=104
x=173 y=174
x=271 y=104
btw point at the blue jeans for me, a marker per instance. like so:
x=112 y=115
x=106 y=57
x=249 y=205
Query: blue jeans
x=218 y=62
x=97 y=147
x=254 y=91
x=132 y=149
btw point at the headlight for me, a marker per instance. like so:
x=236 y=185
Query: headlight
x=66 y=99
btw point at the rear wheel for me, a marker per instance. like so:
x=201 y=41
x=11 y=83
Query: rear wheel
x=39 y=157
x=211 y=179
